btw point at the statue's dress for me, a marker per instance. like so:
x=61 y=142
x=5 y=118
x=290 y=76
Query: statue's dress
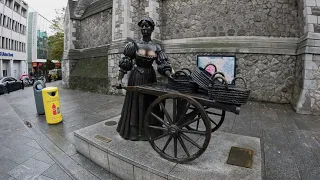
x=139 y=57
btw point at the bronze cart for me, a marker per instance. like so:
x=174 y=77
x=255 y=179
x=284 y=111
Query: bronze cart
x=188 y=123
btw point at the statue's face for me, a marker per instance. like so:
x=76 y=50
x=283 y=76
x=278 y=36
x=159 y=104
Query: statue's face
x=146 y=29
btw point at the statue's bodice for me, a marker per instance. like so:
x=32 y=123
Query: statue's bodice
x=146 y=53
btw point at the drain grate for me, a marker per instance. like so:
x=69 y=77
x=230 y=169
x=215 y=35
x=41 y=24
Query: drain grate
x=240 y=157
x=102 y=138
x=28 y=124
x=111 y=123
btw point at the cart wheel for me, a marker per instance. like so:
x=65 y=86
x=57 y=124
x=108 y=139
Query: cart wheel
x=216 y=117
x=176 y=143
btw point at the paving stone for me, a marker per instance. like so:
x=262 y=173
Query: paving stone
x=42 y=156
x=29 y=169
x=55 y=172
x=34 y=144
x=4 y=151
x=279 y=161
x=311 y=174
x=90 y=166
x=6 y=165
x=242 y=125
x=62 y=143
x=22 y=154
x=6 y=177
x=15 y=141
x=303 y=155
x=42 y=178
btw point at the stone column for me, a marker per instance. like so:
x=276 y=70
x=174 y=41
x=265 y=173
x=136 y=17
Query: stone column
x=10 y=73
x=121 y=20
x=307 y=89
x=1 y=68
x=153 y=10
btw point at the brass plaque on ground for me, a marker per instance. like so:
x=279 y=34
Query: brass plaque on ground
x=240 y=157
x=102 y=138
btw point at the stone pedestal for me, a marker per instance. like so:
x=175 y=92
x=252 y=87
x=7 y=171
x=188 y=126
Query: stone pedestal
x=131 y=160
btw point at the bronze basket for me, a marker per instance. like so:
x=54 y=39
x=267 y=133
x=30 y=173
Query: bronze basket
x=182 y=82
x=230 y=94
x=202 y=77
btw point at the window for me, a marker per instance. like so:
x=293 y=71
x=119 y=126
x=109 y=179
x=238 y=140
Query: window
x=7 y=43
x=20 y=29
x=16 y=7
x=3 y=43
x=0 y=42
x=12 y=25
x=0 y=19
x=19 y=46
x=4 y=20
x=12 y=44
x=23 y=12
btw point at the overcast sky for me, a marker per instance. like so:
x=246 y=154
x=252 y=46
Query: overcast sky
x=47 y=7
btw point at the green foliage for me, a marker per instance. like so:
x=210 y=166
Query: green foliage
x=55 y=44
x=56 y=41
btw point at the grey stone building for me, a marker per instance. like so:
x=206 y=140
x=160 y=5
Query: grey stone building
x=276 y=42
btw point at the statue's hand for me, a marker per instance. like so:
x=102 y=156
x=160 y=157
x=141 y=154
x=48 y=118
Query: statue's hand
x=118 y=85
x=168 y=74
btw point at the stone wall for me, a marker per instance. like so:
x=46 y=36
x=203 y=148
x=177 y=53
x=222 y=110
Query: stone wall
x=96 y=30
x=90 y=74
x=209 y=18
x=270 y=77
x=137 y=13
x=312 y=75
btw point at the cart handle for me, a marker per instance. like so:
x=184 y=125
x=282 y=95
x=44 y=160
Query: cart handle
x=223 y=79
x=244 y=81
x=221 y=73
x=187 y=70
x=176 y=74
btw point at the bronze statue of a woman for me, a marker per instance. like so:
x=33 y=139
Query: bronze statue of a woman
x=139 y=57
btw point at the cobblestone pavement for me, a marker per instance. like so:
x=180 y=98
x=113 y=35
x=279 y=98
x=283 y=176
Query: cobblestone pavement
x=290 y=142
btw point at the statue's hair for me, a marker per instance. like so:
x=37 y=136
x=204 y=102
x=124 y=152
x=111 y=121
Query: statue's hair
x=148 y=20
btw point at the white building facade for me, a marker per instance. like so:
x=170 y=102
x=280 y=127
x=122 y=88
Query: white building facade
x=13 y=38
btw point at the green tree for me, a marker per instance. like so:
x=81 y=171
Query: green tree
x=56 y=41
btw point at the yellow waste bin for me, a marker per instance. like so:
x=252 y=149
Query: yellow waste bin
x=51 y=104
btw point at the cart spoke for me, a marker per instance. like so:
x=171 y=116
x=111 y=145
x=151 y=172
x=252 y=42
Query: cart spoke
x=198 y=124
x=194 y=132
x=174 y=108
x=190 y=122
x=213 y=122
x=175 y=147
x=183 y=113
x=159 y=137
x=166 y=113
x=158 y=127
x=184 y=146
x=167 y=143
x=159 y=119
x=190 y=140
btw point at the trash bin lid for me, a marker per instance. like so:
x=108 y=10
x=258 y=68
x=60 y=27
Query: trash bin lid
x=39 y=87
x=50 y=89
